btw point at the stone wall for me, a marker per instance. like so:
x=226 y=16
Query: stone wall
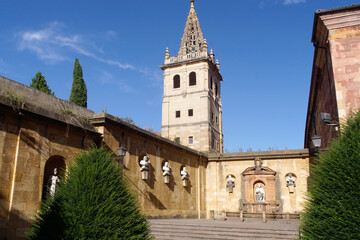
x=35 y=138
x=282 y=162
x=28 y=141
x=158 y=199
x=335 y=81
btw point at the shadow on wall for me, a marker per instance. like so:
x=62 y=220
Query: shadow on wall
x=188 y=187
x=278 y=192
x=172 y=183
x=17 y=225
x=156 y=202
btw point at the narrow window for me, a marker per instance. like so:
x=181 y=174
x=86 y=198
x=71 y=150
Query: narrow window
x=211 y=83
x=192 y=79
x=176 y=81
x=177 y=114
x=191 y=112
x=212 y=116
x=191 y=140
x=216 y=119
x=216 y=89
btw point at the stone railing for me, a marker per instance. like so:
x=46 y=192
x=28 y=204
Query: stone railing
x=186 y=57
x=224 y=215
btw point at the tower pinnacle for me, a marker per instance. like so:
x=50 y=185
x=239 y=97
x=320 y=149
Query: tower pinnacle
x=192 y=40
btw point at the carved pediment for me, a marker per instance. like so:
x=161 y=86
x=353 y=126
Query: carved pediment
x=258 y=169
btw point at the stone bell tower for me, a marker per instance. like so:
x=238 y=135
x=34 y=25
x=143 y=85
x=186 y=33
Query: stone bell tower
x=191 y=108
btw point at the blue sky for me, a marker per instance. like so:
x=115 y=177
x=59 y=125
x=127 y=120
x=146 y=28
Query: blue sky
x=263 y=46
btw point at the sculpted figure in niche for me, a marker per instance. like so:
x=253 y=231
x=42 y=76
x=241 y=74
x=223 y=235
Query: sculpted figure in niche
x=166 y=169
x=52 y=181
x=144 y=164
x=184 y=174
x=260 y=194
x=230 y=184
x=290 y=182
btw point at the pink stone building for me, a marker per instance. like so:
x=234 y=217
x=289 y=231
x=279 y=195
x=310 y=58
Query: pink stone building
x=335 y=81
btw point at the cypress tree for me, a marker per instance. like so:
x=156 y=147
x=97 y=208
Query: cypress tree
x=92 y=202
x=78 y=93
x=332 y=210
x=39 y=82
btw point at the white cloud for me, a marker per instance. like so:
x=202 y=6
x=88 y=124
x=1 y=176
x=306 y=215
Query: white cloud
x=107 y=78
x=49 y=44
x=288 y=2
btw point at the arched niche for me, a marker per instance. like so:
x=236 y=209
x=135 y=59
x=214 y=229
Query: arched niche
x=258 y=185
x=253 y=176
x=53 y=162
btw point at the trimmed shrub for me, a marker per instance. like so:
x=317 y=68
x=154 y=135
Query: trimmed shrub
x=333 y=206
x=93 y=202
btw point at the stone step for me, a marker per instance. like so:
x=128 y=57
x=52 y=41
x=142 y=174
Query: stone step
x=205 y=229
x=224 y=230
x=199 y=234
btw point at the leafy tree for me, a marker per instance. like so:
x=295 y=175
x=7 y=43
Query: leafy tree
x=333 y=205
x=92 y=202
x=78 y=93
x=39 y=82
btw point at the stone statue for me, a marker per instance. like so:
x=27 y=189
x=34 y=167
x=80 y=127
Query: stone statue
x=258 y=164
x=144 y=164
x=290 y=182
x=166 y=169
x=230 y=184
x=184 y=174
x=52 y=181
x=260 y=194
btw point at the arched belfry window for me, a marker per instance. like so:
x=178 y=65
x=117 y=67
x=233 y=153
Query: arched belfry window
x=176 y=81
x=192 y=79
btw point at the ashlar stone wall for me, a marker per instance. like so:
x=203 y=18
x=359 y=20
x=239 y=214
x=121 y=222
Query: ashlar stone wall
x=282 y=162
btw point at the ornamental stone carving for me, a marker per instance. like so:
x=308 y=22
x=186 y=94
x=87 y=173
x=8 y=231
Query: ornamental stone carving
x=184 y=176
x=230 y=184
x=166 y=172
x=290 y=182
x=52 y=182
x=145 y=167
x=259 y=194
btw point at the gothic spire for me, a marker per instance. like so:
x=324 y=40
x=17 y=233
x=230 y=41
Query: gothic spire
x=192 y=40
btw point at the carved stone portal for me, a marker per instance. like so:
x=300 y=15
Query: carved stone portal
x=259 y=189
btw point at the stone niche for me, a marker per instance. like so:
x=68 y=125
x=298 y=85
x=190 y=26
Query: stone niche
x=259 y=189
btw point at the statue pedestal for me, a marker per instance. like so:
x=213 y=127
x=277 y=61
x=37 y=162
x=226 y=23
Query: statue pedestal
x=166 y=179
x=144 y=175
x=185 y=182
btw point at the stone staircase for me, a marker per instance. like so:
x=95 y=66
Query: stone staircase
x=174 y=229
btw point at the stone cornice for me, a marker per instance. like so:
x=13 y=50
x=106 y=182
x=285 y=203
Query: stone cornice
x=264 y=155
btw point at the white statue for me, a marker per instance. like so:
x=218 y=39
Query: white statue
x=290 y=182
x=230 y=184
x=51 y=184
x=166 y=169
x=144 y=164
x=184 y=174
x=260 y=194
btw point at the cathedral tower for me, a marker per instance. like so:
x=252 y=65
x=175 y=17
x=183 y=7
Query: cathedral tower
x=191 y=108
